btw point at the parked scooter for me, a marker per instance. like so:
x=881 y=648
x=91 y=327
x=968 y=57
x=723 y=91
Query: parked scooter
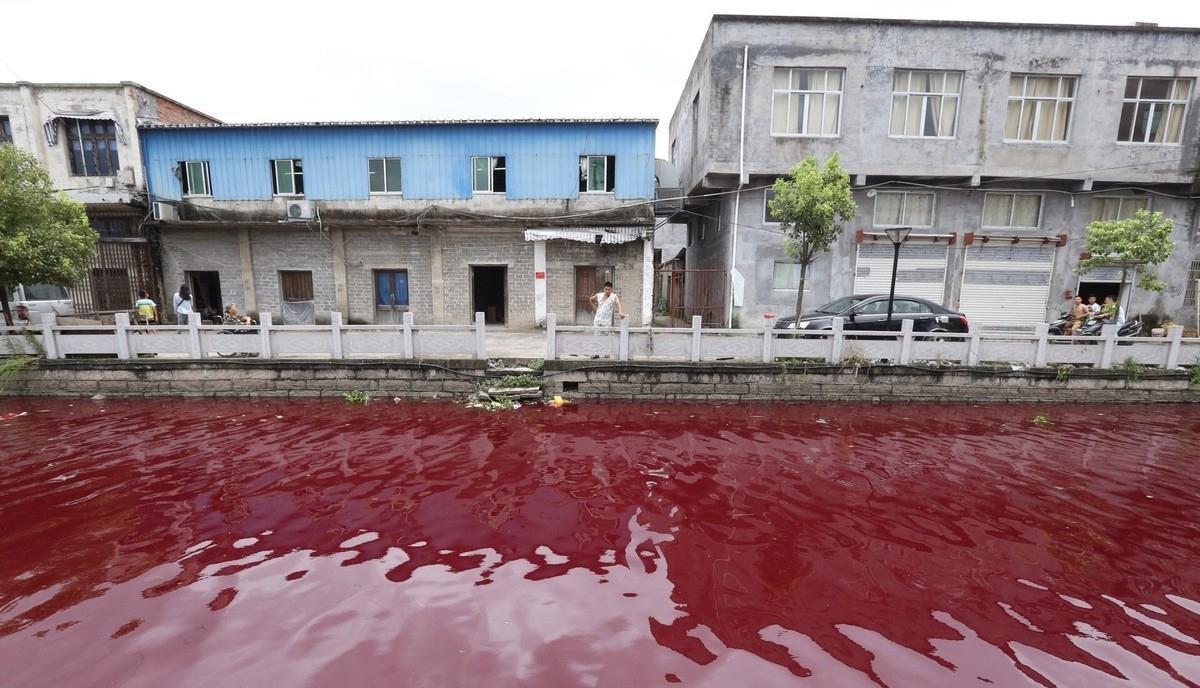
x=1094 y=326
x=1062 y=325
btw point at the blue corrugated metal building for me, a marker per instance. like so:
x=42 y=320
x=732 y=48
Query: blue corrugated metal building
x=513 y=218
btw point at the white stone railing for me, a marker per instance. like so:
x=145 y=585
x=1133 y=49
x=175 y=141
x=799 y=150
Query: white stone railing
x=1040 y=349
x=263 y=340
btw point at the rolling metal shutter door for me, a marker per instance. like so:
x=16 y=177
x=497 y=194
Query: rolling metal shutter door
x=922 y=270
x=1007 y=286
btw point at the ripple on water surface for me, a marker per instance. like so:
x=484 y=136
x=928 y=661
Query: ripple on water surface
x=204 y=543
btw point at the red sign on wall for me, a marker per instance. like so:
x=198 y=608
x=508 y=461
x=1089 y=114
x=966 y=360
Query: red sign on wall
x=539 y=275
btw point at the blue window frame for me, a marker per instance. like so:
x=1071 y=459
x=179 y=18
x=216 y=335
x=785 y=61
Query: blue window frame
x=391 y=289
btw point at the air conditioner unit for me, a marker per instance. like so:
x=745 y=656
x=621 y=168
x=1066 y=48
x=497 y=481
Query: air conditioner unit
x=300 y=210
x=164 y=212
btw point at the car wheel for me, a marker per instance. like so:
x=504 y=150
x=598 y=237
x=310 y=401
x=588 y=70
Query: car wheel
x=939 y=338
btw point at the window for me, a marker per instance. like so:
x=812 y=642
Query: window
x=806 y=102
x=1154 y=110
x=93 y=147
x=296 y=285
x=696 y=123
x=768 y=216
x=110 y=289
x=114 y=227
x=674 y=147
x=195 y=178
x=1118 y=207
x=925 y=104
x=1039 y=108
x=903 y=209
x=786 y=275
x=907 y=306
x=487 y=175
x=5 y=130
x=384 y=175
x=287 y=177
x=597 y=173
x=391 y=289
x=1012 y=210
x=877 y=307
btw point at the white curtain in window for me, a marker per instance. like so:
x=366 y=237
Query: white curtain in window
x=1026 y=209
x=918 y=211
x=997 y=210
x=889 y=209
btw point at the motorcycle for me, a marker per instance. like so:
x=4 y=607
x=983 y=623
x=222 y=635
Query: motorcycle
x=1095 y=326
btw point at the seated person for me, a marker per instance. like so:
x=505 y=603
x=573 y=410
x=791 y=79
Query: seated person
x=147 y=310
x=231 y=317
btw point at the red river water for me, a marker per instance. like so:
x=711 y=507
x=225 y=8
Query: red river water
x=291 y=543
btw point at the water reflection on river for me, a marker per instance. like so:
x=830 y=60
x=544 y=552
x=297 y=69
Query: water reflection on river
x=230 y=543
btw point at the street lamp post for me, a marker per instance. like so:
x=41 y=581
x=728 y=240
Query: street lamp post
x=897 y=236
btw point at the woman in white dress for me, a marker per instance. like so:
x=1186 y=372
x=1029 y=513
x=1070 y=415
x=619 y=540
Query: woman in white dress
x=183 y=303
x=605 y=303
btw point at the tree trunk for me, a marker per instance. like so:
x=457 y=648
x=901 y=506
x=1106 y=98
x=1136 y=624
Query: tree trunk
x=8 y=321
x=800 y=290
x=1122 y=297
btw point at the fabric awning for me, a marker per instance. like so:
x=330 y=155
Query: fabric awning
x=589 y=235
x=51 y=124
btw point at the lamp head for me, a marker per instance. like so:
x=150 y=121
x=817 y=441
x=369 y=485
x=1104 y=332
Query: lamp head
x=898 y=234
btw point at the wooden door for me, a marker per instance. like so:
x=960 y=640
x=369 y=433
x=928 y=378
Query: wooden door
x=589 y=281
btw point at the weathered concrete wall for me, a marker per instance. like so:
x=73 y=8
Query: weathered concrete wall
x=563 y=256
x=463 y=248
x=247 y=377
x=772 y=381
x=195 y=248
x=272 y=250
x=380 y=248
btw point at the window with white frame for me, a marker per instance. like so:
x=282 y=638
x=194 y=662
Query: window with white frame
x=1039 y=108
x=195 y=178
x=1012 y=210
x=597 y=173
x=903 y=209
x=1118 y=207
x=786 y=275
x=384 y=175
x=287 y=177
x=488 y=174
x=768 y=216
x=1154 y=110
x=806 y=102
x=925 y=103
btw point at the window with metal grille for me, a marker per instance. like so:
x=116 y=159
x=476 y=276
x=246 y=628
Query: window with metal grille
x=296 y=285
x=5 y=130
x=597 y=173
x=111 y=290
x=92 y=145
x=287 y=177
x=114 y=227
x=1189 y=296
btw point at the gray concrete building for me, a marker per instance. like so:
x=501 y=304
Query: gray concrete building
x=86 y=137
x=998 y=143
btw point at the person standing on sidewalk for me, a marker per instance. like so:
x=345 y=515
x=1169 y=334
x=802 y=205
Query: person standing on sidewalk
x=605 y=303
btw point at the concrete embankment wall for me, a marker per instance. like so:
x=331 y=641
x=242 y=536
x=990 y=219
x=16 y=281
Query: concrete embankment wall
x=600 y=380
x=776 y=381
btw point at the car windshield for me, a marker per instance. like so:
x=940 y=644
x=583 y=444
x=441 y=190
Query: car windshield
x=45 y=292
x=840 y=305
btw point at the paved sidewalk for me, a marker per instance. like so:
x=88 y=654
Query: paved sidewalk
x=516 y=344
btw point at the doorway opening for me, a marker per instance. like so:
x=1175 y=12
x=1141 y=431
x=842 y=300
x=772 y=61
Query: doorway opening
x=206 y=293
x=589 y=281
x=489 y=293
x=1099 y=290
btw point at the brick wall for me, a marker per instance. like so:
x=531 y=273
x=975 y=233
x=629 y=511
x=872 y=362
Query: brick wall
x=273 y=250
x=164 y=111
x=193 y=248
x=464 y=248
x=387 y=249
x=563 y=256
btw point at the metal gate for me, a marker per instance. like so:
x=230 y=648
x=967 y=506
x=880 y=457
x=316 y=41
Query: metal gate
x=681 y=294
x=118 y=270
x=1006 y=286
x=921 y=273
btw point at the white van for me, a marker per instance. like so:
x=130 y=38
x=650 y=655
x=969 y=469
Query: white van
x=40 y=298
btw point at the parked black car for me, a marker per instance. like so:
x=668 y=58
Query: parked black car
x=869 y=312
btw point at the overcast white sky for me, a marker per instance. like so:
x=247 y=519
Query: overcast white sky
x=253 y=60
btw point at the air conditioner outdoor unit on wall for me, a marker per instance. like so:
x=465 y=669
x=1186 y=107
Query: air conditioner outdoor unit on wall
x=300 y=210
x=164 y=212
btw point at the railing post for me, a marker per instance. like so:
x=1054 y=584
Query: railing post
x=480 y=342
x=407 y=320
x=837 y=341
x=696 y=322
x=264 y=332
x=122 y=332
x=623 y=340
x=335 y=333
x=193 y=325
x=1042 y=331
x=1109 y=334
x=768 y=339
x=551 y=324
x=972 y=358
x=49 y=342
x=1175 y=336
x=906 y=341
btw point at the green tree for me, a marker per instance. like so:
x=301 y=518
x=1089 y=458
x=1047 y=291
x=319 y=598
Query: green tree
x=1136 y=244
x=811 y=203
x=45 y=237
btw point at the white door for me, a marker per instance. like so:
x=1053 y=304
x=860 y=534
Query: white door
x=1006 y=286
x=921 y=273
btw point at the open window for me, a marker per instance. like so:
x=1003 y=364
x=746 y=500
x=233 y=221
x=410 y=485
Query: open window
x=597 y=173
x=287 y=177
x=195 y=178
x=488 y=174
